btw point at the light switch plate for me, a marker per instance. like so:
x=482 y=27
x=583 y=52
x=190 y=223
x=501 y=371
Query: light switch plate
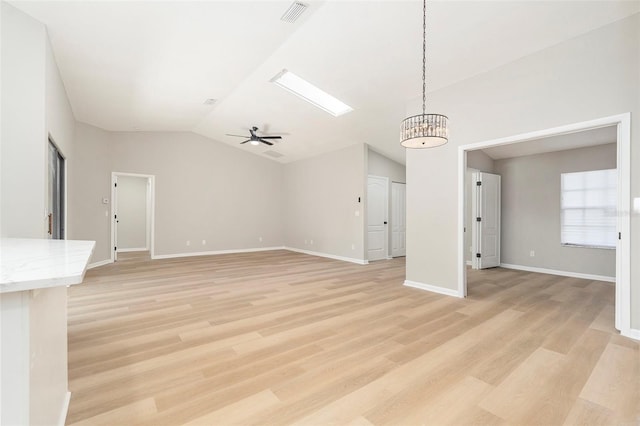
x=636 y=205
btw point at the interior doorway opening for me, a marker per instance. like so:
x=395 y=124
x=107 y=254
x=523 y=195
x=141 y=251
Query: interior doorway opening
x=621 y=124
x=56 y=216
x=132 y=213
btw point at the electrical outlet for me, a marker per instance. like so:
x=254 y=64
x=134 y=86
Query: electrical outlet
x=532 y=253
x=204 y=242
x=306 y=242
x=357 y=212
x=311 y=242
x=260 y=239
x=188 y=243
x=353 y=246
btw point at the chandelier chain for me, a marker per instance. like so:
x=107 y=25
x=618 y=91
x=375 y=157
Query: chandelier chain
x=424 y=57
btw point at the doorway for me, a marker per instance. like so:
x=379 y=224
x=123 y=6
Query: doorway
x=56 y=194
x=132 y=213
x=398 y=219
x=622 y=124
x=377 y=217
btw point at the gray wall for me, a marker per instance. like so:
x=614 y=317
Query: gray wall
x=132 y=212
x=591 y=76
x=204 y=190
x=480 y=161
x=321 y=202
x=379 y=165
x=90 y=182
x=531 y=210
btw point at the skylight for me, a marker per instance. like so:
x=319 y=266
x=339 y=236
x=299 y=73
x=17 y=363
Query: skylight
x=310 y=93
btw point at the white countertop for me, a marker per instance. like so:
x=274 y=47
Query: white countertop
x=27 y=264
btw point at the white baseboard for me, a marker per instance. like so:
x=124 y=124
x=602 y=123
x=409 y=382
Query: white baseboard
x=127 y=250
x=561 y=273
x=100 y=263
x=432 y=288
x=65 y=409
x=632 y=333
x=215 y=252
x=329 y=256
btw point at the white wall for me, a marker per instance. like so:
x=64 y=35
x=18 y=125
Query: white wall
x=33 y=378
x=531 y=210
x=24 y=158
x=132 y=212
x=321 y=201
x=594 y=75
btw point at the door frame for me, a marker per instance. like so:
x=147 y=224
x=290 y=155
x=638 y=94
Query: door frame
x=623 y=246
x=51 y=140
x=386 y=215
x=151 y=213
x=392 y=219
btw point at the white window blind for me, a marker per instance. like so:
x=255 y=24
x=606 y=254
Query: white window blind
x=588 y=208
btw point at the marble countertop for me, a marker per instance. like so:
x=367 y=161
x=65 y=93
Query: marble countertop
x=27 y=264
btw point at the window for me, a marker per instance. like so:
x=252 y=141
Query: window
x=310 y=93
x=588 y=208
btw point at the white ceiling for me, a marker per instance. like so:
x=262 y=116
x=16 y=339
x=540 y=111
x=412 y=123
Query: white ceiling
x=599 y=136
x=149 y=65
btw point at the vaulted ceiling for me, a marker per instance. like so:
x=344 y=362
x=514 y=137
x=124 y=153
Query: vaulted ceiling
x=149 y=66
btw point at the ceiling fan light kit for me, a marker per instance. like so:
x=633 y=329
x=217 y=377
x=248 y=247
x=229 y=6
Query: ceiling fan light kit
x=424 y=130
x=255 y=139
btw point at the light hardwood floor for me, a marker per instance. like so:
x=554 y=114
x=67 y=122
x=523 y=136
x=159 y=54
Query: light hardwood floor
x=276 y=338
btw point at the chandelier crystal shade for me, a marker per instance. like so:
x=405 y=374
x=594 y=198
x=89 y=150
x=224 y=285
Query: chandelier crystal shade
x=424 y=130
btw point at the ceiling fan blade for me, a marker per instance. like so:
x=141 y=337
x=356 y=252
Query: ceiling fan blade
x=248 y=140
x=276 y=134
x=265 y=142
x=271 y=137
x=237 y=136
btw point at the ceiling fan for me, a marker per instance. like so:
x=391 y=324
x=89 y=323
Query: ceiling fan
x=254 y=138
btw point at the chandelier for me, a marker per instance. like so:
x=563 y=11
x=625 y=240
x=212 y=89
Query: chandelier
x=424 y=130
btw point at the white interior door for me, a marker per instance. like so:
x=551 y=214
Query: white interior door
x=377 y=206
x=114 y=216
x=486 y=217
x=398 y=219
x=133 y=213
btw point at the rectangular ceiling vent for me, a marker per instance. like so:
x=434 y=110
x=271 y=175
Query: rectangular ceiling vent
x=294 y=12
x=273 y=154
